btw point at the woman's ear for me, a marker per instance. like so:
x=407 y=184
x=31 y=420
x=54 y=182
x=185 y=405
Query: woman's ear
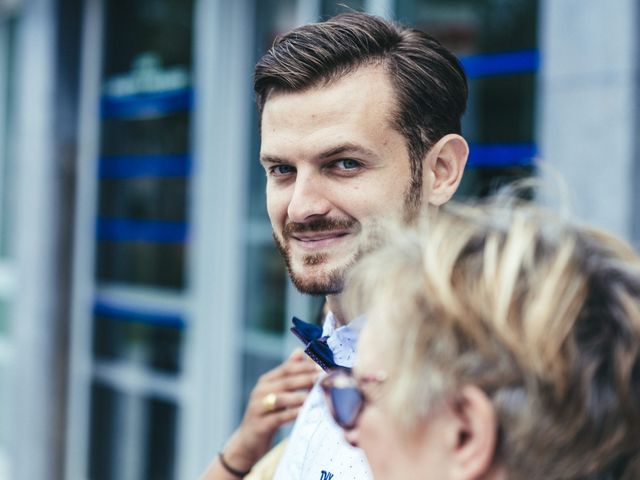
x=444 y=165
x=476 y=439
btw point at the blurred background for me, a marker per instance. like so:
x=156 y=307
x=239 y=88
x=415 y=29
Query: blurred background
x=140 y=293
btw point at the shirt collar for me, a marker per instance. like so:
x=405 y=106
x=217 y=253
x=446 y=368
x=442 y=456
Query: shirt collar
x=342 y=340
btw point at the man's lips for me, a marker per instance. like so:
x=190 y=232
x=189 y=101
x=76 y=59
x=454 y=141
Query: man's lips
x=315 y=241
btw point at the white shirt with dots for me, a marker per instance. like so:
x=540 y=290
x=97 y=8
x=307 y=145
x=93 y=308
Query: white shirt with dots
x=316 y=449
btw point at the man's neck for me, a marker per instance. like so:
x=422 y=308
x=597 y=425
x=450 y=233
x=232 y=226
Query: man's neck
x=334 y=302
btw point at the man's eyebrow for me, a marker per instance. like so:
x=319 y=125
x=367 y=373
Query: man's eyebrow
x=347 y=148
x=331 y=152
x=271 y=159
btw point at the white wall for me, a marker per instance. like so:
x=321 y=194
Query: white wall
x=587 y=106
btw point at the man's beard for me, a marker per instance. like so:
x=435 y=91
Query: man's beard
x=333 y=282
x=413 y=194
x=327 y=283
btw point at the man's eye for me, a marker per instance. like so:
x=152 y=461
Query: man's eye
x=281 y=170
x=347 y=164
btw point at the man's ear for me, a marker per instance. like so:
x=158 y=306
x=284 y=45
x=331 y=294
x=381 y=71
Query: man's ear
x=475 y=442
x=444 y=166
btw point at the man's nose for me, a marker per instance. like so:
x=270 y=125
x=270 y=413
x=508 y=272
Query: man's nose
x=309 y=198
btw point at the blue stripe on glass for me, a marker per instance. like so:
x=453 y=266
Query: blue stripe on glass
x=146 y=104
x=506 y=63
x=132 y=166
x=155 y=231
x=502 y=155
x=135 y=315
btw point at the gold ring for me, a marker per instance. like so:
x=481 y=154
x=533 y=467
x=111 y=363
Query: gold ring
x=269 y=402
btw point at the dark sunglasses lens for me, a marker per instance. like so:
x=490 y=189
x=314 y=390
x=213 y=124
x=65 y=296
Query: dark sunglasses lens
x=347 y=402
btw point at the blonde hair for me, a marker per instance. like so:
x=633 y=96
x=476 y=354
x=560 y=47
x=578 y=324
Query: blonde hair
x=541 y=314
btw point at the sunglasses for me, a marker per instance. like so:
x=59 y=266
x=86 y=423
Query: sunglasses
x=345 y=395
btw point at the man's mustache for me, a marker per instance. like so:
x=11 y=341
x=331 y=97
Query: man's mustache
x=318 y=225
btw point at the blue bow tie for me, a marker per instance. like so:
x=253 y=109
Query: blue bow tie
x=315 y=344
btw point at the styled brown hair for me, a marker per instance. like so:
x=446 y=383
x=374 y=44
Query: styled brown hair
x=541 y=314
x=429 y=83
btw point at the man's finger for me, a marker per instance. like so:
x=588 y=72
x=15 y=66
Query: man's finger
x=303 y=381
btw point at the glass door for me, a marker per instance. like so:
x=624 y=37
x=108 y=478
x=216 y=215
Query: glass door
x=131 y=321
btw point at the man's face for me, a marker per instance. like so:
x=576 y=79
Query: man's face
x=335 y=167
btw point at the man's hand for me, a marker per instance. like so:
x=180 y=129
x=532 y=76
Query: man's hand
x=274 y=401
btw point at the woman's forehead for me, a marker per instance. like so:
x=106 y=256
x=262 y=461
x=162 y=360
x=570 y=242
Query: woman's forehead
x=372 y=345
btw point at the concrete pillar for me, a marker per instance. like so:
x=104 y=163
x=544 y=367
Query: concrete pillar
x=587 y=118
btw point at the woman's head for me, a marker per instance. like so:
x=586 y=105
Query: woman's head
x=506 y=327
